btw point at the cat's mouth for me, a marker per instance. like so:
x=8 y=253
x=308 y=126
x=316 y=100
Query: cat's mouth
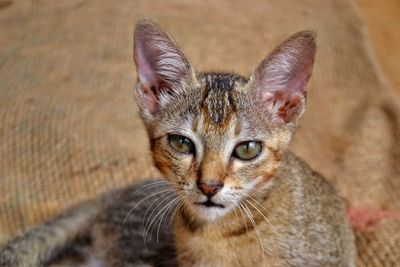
x=210 y=204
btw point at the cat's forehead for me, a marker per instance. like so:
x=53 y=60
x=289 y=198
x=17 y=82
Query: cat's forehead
x=219 y=96
x=222 y=81
x=215 y=106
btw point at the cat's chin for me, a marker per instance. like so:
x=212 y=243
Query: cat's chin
x=209 y=211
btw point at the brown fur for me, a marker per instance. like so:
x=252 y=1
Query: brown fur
x=270 y=210
x=291 y=216
x=290 y=238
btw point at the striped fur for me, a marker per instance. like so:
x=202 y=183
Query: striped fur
x=272 y=210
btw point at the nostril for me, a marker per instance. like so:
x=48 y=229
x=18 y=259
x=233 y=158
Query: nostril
x=209 y=188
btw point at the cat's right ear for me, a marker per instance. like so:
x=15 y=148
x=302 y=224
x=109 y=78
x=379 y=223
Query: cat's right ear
x=162 y=68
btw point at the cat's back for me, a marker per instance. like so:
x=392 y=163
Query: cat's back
x=129 y=227
x=135 y=226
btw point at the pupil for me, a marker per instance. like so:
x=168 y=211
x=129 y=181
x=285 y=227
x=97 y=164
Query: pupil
x=185 y=143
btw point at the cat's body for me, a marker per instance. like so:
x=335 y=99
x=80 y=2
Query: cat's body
x=236 y=195
x=113 y=234
x=104 y=232
x=292 y=233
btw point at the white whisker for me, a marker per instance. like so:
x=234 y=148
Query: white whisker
x=167 y=211
x=141 y=201
x=149 y=225
x=273 y=228
x=178 y=207
x=150 y=185
x=243 y=217
x=251 y=218
x=159 y=201
x=237 y=218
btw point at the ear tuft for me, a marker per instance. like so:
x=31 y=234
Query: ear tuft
x=280 y=80
x=161 y=67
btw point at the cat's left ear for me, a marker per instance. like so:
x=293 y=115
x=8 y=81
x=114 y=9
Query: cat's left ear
x=279 y=82
x=162 y=68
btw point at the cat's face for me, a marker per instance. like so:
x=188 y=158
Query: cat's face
x=215 y=146
x=219 y=137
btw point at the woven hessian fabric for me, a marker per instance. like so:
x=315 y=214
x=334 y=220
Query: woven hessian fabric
x=69 y=128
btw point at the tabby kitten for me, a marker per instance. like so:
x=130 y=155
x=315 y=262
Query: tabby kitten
x=237 y=196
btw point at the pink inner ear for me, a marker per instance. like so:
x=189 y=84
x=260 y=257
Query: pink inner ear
x=147 y=80
x=284 y=104
x=282 y=77
x=148 y=98
x=290 y=108
x=160 y=65
x=146 y=73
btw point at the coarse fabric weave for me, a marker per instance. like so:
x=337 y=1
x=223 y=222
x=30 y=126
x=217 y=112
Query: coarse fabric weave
x=69 y=128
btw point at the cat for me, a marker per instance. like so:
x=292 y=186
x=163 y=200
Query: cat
x=233 y=192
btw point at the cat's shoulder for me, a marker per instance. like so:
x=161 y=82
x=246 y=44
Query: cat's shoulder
x=303 y=176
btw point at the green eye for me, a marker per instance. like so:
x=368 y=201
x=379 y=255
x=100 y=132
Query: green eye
x=181 y=144
x=247 y=150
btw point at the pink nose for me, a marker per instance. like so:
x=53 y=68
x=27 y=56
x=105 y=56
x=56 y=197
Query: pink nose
x=209 y=188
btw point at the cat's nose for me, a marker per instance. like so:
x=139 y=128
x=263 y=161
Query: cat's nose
x=209 y=188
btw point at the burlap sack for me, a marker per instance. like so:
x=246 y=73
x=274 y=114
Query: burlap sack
x=69 y=128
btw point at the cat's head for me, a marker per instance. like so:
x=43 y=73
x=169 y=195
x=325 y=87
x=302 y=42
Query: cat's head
x=219 y=137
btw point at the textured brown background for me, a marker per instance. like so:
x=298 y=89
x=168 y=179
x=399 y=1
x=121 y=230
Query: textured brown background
x=382 y=21
x=69 y=128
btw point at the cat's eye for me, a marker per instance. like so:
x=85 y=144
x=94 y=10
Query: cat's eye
x=181 y=144
x=247 y=150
